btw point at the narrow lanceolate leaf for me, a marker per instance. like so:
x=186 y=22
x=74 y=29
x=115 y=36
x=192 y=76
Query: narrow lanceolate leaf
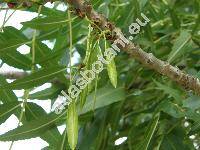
x=149 y=134
x=32 y=129
x=6 y=95
x=83 y=96
x=47 y=23
x=46 y=94
x=7 y=109
x=55 y=56
x=17 y=60
x=35 y=79
x=168 y=90
x=42 y=52
x=195 y=128
x=63 y=143
x=72 y=125
x=172 y=109
x=16 y=39
x=112 y=73
x=33 y=112
x=104 y=96
x=175 y=19
x=12 y=45
x=178 y=47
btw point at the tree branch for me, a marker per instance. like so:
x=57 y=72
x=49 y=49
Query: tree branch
x=13 y=74
x=18 y=74
x=148 y=59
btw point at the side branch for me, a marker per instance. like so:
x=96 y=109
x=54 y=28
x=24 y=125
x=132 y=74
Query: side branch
x=13 y=74
x=18 y=74
x=187 y=81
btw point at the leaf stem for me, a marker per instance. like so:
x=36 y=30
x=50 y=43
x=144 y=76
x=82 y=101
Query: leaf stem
x=26 y=95
x=33 y=42
x=70 y=44
x=4 y=20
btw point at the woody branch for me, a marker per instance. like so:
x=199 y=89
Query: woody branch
x=187 y=81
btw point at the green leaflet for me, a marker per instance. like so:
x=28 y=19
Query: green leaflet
x=175 y=19
x=195 y=128
x=177 y=140
x=35 y=79
x=55 y=55
x=149 y=134
x=63 y=144
x=102 y=134
x=104 y=96
x=47 y=23
x=179 y=44
x=17 y=60
x=42 y=53
x=11 y=33
x=90 y=138
x=142 y=3
x=9 y=55
x=12 y=45
x=16 y=39
x=168 y=90
x=192 y=102
x=34 y=112
x=172 y=109
x=72 y=125
x=7 y=109
x=112 y=73
x=32 y=129
x=10 y=100
x=6 y=95
x=48 y=11
x=176 y=111
x=49 y=93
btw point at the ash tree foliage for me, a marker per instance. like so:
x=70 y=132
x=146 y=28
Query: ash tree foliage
x=127 y=99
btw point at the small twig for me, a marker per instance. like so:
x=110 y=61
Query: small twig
x=4 y=20
x=14 y=74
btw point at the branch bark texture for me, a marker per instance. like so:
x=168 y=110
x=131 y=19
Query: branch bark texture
x=148 y=59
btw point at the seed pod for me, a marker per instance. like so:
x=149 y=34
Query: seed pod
x=111 y=67
x=83 y=96
x=112 y=73
x=72 y=125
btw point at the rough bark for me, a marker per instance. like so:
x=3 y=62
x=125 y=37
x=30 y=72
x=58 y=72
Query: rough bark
x=13 y=74
x=148 y=59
